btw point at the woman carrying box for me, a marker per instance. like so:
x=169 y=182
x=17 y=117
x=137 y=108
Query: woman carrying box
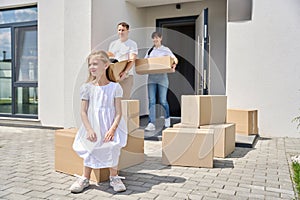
x=158 y=82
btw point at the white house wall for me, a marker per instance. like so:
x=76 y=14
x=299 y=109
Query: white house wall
x=77 y=41
x=51 y=62
x=64 y=42
x=263 y=70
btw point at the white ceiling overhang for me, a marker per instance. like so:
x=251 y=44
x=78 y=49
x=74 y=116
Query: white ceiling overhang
x=148 y=3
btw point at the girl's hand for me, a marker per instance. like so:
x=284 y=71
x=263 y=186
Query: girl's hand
x=109 y=136
x=91 y=136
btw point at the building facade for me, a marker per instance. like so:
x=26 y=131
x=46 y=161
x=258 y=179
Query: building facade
x=249 y=56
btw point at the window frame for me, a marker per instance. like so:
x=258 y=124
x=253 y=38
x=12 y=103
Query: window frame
x=14 y=84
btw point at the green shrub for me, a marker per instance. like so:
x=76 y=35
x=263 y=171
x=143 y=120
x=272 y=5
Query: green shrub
x=296 y=169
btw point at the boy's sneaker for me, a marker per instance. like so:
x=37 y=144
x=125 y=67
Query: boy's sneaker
x=117 y=184
x=167 y=122
x=79 y=184
x=150 y=127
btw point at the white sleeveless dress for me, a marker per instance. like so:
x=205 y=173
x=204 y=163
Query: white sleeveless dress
x=101 y=114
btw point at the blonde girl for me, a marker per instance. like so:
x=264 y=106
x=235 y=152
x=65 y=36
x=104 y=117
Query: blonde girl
x=103 y=131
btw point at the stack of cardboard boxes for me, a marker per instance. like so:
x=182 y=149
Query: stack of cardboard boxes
x=67 y=161
x=133 y=152
x=202 y=134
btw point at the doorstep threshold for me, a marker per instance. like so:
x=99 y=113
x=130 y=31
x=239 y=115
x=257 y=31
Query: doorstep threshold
x=24 y=123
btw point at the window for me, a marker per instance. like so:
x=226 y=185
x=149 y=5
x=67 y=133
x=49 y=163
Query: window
x=18 y=62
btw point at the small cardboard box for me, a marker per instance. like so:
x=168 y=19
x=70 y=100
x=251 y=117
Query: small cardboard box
x=224 y=138
x=155 y=65
x=198 y=110
x=245 y=120
x=131 y=114
x=115 y=69
x=188 y=147
x=66 y=159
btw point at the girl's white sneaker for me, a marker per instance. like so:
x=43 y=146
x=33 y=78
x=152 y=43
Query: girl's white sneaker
x=80 y=184
x=117 y=184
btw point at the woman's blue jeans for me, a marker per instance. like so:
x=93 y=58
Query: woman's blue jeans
x=158 y=83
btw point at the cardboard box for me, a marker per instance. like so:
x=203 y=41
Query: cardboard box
x=115 y=69
x=224 y=138
x=66 y=159
x=131 y=114
x=155 y=65
x=188 y=147
x=245 y=120
x=198 y=110
x=133 y=153
x=135 y=141
x=180 y=125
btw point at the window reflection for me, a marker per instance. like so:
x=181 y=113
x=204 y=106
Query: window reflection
x=18 y=15
x=26 y=53
x=5 y=71
x=27 y=100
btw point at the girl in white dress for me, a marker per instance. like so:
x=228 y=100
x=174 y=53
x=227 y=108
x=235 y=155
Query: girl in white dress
x=103 y=131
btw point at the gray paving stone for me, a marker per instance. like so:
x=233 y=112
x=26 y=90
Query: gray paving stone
x=230 y=197
x=14 y=196
x=144 y=195
x=280 y=190
x=4 y=193
x=262 y=172
x=82 y=196
x=176 y=189
x=222 y=191
x=57 y=191
x=137 y=188
x=38 y=194
x=18 y=190
x=60 y=197
x=162 y=192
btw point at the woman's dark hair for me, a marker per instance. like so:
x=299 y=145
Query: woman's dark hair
x=156 y=34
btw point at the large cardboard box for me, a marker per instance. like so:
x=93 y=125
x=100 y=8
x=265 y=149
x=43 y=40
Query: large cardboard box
x=224 y=138
x=131 y=114
x=244 y=119
x=155 y=65
x=115 y=69
x=188 y=147
x=67 y=161
x=198 y=110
